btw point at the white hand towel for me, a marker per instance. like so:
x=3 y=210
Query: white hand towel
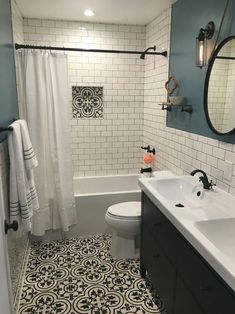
x=30 y=158
x=23 y=195
x=13 y=192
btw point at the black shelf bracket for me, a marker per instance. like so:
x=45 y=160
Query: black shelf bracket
x=187 y=108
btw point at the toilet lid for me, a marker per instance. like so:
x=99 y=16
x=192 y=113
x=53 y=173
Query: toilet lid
x=126 y=210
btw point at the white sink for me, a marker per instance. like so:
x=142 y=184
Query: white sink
x=207 y=219
x=221 y=233
x=186 y=191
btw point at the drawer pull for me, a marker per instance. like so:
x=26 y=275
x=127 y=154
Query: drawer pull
x=205 y=288
x=156 y=256
x=157 y=224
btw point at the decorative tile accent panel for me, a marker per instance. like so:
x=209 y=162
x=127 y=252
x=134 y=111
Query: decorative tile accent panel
x=87 y=102
x=79 y=275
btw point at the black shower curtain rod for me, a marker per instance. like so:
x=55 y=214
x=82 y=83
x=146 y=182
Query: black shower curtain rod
x=224 y=57
x=19 y=46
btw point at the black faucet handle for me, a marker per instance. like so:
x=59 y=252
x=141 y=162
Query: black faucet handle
x=149 y=150
x=145 y=147
x=143 y=170
x=201 y=178
x=212 y=184
x=152 y=151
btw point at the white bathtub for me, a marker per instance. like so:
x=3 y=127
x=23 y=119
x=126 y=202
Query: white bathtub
x=93 y=195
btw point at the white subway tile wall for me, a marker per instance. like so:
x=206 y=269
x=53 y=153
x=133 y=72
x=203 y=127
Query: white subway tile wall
x=108 y=145
x=179 y=151
x=111 y=145
x=18 y=37
x=17 y=23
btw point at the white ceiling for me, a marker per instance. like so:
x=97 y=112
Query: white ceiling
x=139 y=12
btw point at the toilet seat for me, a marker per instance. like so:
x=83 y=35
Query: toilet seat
x=126 y=210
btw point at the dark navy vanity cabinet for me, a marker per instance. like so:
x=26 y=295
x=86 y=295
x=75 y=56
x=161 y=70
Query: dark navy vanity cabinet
x=183 y=279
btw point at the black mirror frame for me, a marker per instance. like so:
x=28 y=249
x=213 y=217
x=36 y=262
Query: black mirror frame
x=210 y=65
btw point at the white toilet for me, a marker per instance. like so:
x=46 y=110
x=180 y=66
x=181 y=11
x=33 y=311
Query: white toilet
x=124 y=219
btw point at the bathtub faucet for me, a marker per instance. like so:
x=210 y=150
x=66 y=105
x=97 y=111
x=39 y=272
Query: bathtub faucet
x=142 y=170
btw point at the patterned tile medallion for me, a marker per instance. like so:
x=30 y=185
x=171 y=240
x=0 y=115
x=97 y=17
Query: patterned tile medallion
x=87 y=102
x=79 y=275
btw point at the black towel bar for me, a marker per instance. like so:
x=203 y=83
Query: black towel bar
x=3 y=129
x=7 y=128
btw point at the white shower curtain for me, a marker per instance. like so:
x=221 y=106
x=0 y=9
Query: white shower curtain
x=43 y=89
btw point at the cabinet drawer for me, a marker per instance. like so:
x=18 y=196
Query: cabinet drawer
x=159 y=269
x=210 y=291
x=153 y=220
x=160 y=228
x=205 y=285
x=185 y=302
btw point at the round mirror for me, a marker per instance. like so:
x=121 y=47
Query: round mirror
x=219 y=97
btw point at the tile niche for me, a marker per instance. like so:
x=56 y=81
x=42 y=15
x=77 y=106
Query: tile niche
x=87 y=102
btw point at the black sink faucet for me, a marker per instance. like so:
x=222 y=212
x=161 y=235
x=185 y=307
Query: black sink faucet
x=204 y=179
x=142 y=170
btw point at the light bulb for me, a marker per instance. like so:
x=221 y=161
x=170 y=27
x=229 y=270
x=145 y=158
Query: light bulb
x=88 y=12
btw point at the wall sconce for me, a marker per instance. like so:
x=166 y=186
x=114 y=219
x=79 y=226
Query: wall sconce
x=201 y=44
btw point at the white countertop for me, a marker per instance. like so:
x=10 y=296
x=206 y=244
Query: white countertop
x=221 y=205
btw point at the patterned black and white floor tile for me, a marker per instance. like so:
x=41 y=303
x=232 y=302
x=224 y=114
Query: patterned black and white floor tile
x=79 y=276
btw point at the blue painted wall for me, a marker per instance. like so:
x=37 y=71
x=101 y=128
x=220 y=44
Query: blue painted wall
x=8 y=95
x=188 y=16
